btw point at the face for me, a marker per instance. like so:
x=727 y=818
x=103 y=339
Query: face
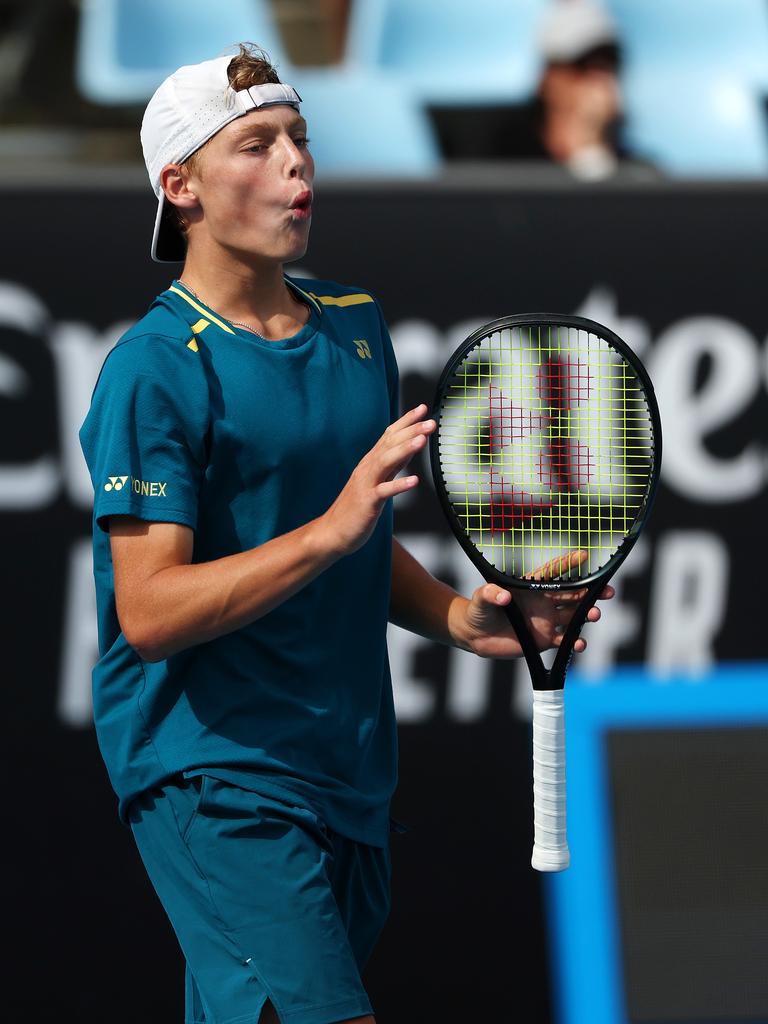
x=589 y=95
x=587 y=89
x=253 y=186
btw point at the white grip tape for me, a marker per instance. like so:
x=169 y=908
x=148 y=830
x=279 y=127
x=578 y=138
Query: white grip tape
x=550 y=845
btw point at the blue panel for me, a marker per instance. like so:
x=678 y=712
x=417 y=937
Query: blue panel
x=448 y=51
x=581 y=901
x=126 y=48
x=697 y=34
x=693 y=85
x=365 y=123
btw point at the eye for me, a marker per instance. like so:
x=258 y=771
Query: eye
x=255 y=147
x=301 y=141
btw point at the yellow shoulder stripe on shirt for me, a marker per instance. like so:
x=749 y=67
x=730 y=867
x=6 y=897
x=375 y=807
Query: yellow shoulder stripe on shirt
x=209 y=316
x=343 y=300
x=197 y=328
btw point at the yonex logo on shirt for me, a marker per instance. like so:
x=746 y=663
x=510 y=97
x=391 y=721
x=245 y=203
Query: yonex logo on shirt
x=115 y=483
x=151 y=488
x=363 y=348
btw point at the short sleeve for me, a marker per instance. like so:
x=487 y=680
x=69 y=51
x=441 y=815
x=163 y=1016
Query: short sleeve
x=144 y=438
x=390 y=362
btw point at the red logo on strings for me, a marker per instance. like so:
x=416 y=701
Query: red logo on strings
x=562 y=464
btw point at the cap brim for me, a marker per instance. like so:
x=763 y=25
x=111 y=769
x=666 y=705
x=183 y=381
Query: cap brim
x=168 y=244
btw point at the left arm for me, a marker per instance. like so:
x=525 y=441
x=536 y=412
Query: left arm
x=420 y=603
x=424 y=605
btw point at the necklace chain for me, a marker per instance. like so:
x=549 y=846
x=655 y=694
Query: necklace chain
x=235 y=323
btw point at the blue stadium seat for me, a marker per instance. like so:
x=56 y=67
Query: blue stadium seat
x=450 y=51
x=695 y=73
x=360 y=122
x=697 y=125
x=697 y=33
x=364 y=124
x=125 y=48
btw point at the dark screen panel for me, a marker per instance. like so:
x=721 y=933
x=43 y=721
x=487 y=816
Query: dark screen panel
x=690 y=814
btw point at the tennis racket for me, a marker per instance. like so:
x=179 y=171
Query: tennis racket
x=545 y=459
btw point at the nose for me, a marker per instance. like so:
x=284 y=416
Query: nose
x=298 y=159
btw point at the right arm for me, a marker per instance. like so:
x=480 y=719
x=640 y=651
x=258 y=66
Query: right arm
x=166 y=604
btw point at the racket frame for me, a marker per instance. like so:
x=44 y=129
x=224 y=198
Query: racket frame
x=542 y=678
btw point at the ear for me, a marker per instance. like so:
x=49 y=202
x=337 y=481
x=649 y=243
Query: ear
x=175 y=184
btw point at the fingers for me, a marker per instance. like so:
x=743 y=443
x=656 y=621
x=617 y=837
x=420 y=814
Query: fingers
x=390 y=461
x=558 y=566
x=564 y=597
x=390 y=488
x=353 y=515
x=492 y=594
x=410 y=426
x=400 y=442
x=578 y=647
x=408 y=418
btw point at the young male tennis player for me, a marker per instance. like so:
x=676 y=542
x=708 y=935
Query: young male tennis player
x=244 y=440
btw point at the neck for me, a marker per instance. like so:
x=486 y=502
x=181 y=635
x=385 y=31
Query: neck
x=252 y=293
x=563 y=137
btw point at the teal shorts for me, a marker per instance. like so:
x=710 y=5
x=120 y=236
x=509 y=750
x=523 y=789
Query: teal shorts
x=266 y=901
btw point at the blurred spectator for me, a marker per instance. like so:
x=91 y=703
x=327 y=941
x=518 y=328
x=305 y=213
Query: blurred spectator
x=578 y=105
x=574 y=117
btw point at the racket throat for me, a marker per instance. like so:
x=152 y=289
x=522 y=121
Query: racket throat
x=541 y=677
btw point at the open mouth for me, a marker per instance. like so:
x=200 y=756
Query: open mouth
x=302 y=204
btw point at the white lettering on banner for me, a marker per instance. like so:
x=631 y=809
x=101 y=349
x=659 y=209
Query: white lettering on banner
x=79 y=352
x=688 y=601
x=686 y=609
x=80 y=641
x=419 y=347
x=458 y=333
x=22 y=310
x=29 y=487
x=14 y=381
x=690 y=570
x=689 y=414
x=601 y=305
x=35 y=484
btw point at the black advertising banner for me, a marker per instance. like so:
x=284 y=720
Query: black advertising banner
x=675 y=271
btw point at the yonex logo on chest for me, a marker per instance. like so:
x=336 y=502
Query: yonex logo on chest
x=150 y=488
x=363 y=348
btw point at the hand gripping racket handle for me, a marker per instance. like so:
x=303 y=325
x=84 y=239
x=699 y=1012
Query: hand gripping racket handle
x=550 y=845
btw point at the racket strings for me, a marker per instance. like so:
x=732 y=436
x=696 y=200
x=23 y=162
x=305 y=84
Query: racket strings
x=545 y=442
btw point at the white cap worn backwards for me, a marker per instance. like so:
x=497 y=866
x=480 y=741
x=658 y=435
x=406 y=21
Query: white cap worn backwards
x=571 y=28
x=189 y=108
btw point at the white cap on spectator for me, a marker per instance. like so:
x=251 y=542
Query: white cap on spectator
x=189 y=108
x=571 y=28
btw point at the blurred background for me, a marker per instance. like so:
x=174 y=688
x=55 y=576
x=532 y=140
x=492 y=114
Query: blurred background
x=474 y=160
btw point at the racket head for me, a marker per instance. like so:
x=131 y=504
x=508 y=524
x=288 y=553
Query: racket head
x=548 y=441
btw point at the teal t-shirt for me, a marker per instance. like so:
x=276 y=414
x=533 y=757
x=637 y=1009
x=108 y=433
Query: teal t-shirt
x=198 y=422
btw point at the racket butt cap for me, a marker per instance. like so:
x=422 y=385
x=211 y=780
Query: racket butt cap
x=545 y=859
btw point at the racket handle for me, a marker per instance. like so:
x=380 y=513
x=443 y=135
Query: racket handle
x=550 y=845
